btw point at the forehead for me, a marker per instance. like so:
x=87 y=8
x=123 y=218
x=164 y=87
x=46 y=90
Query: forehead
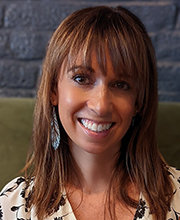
x=97 y=62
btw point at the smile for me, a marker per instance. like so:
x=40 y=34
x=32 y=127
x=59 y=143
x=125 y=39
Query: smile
x=96 y=127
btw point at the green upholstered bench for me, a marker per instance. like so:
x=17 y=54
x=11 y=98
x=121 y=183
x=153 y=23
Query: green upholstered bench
x=16 y=116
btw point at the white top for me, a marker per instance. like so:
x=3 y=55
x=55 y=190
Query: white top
x=14 y=195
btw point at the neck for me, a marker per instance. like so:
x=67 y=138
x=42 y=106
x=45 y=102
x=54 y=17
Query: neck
x=95 y=170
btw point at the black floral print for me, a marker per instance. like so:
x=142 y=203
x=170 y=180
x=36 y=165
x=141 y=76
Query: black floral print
x=16 y=209
x=177 y=214
x=140 y=209
x=1 y=213
x=15 y=197
x=14 y=187
x=178 y=180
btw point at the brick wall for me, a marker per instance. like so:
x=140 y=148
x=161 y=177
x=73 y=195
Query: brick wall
x=26 y=26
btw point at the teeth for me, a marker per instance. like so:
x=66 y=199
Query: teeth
x=89 y=126
x=100 y=128
x=94 y=126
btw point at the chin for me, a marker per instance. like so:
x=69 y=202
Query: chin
x=96 y=149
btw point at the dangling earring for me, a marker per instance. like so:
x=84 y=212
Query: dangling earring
x=55 y=131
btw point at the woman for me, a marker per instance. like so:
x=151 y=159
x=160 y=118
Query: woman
x=95 y=153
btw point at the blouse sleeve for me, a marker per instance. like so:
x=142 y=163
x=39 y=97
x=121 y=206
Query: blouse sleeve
x=174 y=212
x=13 y=200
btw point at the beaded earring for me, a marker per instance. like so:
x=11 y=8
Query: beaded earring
x=55 y=131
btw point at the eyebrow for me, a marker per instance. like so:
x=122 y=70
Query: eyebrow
x=75 y=67
x=91 y=70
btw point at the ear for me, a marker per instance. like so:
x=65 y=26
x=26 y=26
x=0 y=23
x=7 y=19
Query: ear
x=54 y=98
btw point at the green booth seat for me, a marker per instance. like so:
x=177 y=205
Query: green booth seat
x=16 y=116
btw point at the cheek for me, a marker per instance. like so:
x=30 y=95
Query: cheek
x=65 y=109
x=127 y=107
x=68 y=103
x=66 y=97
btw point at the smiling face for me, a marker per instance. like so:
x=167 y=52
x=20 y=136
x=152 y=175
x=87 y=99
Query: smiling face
x=95 y=108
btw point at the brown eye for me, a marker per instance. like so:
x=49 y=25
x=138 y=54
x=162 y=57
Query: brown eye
x=121 y=85
x=82 y=79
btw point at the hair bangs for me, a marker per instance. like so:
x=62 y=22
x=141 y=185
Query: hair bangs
x=113 y=37
x=104 y=38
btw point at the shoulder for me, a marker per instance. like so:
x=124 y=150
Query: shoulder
x=175 y=204
x=13 y=199
x=175 y=177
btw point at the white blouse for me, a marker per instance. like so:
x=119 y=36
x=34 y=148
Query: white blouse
x=15 y=194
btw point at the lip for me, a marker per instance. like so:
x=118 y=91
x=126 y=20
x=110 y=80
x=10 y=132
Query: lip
x=94 y=134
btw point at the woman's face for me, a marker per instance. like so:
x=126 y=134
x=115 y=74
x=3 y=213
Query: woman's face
x=95 y=109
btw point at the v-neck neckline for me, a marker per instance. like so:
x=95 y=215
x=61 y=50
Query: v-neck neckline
x=141 y=210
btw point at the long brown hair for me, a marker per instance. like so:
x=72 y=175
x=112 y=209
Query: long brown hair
x=139 y=160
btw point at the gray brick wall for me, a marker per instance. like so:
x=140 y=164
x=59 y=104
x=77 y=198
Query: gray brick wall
x=26 y=26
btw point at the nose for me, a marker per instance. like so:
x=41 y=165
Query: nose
x=100 y=101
